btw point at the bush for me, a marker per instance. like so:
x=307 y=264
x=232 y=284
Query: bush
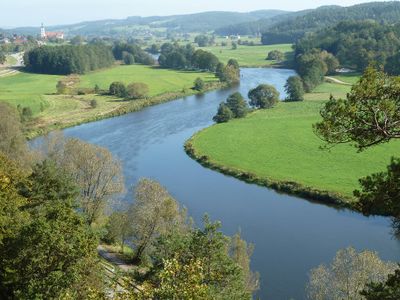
x=118 y=89
x=294 y=89
x=199 y=84
x=93 y=103
x=224 y=114
x=275 y=55
x=128 y=58
x=137 y=90
x=264 y=96
x=27 y=114
x=61 y=88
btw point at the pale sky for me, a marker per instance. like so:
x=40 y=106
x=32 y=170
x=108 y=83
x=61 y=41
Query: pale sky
x=15 y=13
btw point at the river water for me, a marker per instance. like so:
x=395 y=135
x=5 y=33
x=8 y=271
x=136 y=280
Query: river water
x=291 y=235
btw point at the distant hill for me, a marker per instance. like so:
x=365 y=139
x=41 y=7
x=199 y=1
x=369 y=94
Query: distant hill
x=199 y=22
x=297 y=25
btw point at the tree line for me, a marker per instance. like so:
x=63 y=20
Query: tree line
x=131 y=53
x=68 y=59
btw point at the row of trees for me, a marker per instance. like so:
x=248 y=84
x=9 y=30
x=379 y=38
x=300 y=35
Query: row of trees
x=174 y=56
x=68 y=59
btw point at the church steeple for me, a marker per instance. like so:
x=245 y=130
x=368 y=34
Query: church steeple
x=42 y=32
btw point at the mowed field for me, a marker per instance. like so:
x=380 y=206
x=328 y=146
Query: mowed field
x=159 y=80
x=279 y=144
x=250 y=56
x=51 y=111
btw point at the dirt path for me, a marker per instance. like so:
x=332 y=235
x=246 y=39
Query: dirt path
x=113 y=259
x=335 y=80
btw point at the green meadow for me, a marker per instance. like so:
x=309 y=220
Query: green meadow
x=250 y=56
x=279 y=144
x=50 y=110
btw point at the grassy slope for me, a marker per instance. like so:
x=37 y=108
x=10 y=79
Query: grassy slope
x=249 y=56
x=279 y=144
x=52 y=111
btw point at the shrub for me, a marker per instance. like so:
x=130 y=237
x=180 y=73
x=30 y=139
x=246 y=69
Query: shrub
x=118 y=89
x=199 y=84
x=93 y=103
x=137 y=90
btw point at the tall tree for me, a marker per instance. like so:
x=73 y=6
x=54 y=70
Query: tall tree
x=237 y=105
x=294 y=89
x=263 y=96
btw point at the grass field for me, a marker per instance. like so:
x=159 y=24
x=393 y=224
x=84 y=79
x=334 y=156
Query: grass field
x=50 y=110
x=250 y=56
x=279 y=144
x=159 y=80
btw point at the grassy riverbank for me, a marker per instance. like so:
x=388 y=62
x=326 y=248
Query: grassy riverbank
x=278 y=148
x=52 y=111
x=251 y=56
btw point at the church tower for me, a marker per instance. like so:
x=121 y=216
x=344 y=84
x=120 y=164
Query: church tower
x=42 y=32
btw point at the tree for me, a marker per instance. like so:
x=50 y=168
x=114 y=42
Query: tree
x=50 y=252
x=128 y=58
x=95 y=171
x=118 y=89
x=294 y=89
x=97 y=89
x=137 y=90
x=154 y=212
x=77 y=40
x=264 y=96
x=347 y=275
x=61 y=87
x=234 y=45
x=369 y=116
x=12 y=141
x=26 y=113
x=224 y=114
x=199 y=84
x=388 y=290
x=202 y=40
x=119 y=228
x=275 y=55
x=3 y=58
x=241 y=253
x=237 y=105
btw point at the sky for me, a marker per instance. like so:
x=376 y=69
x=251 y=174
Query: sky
x=16 y=13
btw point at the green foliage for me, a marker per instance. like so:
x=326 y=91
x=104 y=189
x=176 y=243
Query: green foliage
x=370 y=115
x=294 y=89
x=199 y=84
x=69 y=59
x=263 y=96
x=119 y=228
x=3 y=58
x=50 y=252
x=275 y=55
x=123 y=51
x=356 y=43
x=93 y=103
x=12 y=140
x=290 y=28
x=229 y=73
x=388 y=290
x=77 y=40
x=128 y=58
x=224 y=114
x=137 y=90
x=118 y=89
x=237 y=105
x=26 y=113
x=234 y=45
x=202 y=40
x=381 y=192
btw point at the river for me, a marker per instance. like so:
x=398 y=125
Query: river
x=291 y=235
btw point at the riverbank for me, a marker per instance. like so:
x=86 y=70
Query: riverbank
x=43 y=126
x=277 y=148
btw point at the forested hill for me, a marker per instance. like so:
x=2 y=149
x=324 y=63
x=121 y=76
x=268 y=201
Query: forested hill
x=199 y=22
x=294 y=27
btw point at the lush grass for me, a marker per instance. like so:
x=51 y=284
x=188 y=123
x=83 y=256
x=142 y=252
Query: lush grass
x=250 y=56
x=159 y=80
x=279 y=144
x=348 y=78
x=52 y=111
